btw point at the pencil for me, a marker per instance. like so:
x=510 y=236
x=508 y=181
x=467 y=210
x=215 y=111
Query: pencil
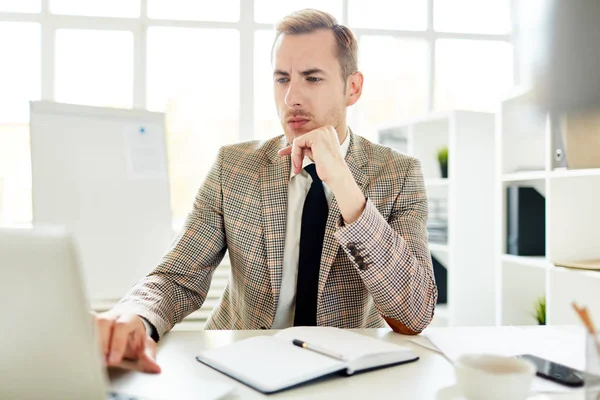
x=589 y=325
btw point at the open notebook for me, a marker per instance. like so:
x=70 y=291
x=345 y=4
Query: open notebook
x=273 y=363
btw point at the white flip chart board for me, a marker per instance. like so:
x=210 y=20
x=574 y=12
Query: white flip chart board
x=102 y=173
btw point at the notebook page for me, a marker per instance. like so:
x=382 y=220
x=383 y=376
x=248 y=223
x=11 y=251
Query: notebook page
x=269 y=364
x=350 y=344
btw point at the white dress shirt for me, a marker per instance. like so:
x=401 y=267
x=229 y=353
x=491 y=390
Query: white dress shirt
x=297 y=191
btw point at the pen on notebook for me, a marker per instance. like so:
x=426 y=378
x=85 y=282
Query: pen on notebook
x=319 y=350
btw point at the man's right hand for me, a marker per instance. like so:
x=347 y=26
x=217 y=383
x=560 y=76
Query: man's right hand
x=123 y=337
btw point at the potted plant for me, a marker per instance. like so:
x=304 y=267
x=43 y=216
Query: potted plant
x=540 y=311
x=442 y=157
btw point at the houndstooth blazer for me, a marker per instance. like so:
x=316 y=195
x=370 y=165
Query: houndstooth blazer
x=374 y=270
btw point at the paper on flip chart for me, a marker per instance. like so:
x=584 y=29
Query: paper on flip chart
x=144 y=151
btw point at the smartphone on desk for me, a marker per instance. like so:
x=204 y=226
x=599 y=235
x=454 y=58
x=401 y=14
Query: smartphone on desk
x=556 y=372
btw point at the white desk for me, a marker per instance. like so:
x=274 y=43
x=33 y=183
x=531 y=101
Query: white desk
x=429 y=378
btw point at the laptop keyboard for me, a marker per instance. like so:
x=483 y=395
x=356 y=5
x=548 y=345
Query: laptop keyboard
x=121 y=396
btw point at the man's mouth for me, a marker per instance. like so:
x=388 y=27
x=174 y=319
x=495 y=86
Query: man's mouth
x=296 y=123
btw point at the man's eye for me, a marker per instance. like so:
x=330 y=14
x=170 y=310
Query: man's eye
x=282 y=80
x=314 y=79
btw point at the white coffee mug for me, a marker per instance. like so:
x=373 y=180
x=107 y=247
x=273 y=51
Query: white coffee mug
x=491 y=377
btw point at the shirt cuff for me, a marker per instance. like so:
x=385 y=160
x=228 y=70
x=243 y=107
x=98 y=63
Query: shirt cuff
x=150 y=330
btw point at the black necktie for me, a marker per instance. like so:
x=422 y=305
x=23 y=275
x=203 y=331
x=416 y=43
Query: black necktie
x=314 y=219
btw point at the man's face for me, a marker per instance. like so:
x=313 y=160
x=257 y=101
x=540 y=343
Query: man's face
x=308 y=85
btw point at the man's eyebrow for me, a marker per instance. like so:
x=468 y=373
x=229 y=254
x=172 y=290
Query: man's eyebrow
x=312 y=71
x=307 y=72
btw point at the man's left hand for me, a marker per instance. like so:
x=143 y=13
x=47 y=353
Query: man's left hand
x=323 y=147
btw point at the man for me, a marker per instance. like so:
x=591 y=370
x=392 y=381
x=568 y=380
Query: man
x=322 y=226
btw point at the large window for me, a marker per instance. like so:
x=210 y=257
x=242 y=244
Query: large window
x=193 y=75
x=410 y=15
x=464 y=67
x=25 y=6
x=396 y=81
x=95 y=8
x=94 y=67
x=207 y=66
x=20 y=81
x=194 y=10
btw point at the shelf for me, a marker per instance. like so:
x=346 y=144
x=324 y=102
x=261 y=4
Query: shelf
x=525 y=146
x=573 y=232
x=521 y=287
x=566 y=173
x=441 y=310
x=524 y=176
x=466 y=135
x=436 y=182
x=532 y=261
x=438 y=247
x=441 y=253
x=433 y=117
x=571 y=285
x=584 y=273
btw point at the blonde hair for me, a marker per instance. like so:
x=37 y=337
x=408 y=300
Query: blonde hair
x=309 y=20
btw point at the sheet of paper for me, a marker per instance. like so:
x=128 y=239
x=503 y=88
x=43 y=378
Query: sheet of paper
x=145 y=152
x=423 y=341
x=565 y=345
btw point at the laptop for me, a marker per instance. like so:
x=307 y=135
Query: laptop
x=47 y=347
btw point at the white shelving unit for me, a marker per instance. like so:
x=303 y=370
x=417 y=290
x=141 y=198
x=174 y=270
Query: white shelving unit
x=524 y=152
x=436 y=182
x=469 y=194
x=524 y=176
x=438 y=247
x=539 y=262
x=441 y=253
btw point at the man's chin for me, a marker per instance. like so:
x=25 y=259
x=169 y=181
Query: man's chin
x=291 y=134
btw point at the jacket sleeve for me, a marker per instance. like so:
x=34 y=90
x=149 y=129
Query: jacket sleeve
x=179 y=284
x=392 y=257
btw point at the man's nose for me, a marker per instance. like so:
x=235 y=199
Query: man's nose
x=294 y=97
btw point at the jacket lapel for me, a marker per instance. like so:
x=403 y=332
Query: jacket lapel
x=356 y=160
x=275 y=174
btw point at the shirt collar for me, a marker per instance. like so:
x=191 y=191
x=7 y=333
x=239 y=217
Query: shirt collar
x=343 y=149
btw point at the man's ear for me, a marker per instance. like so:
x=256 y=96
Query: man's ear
x=354 y=85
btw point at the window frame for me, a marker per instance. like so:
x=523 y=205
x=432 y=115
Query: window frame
x=50 y=23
